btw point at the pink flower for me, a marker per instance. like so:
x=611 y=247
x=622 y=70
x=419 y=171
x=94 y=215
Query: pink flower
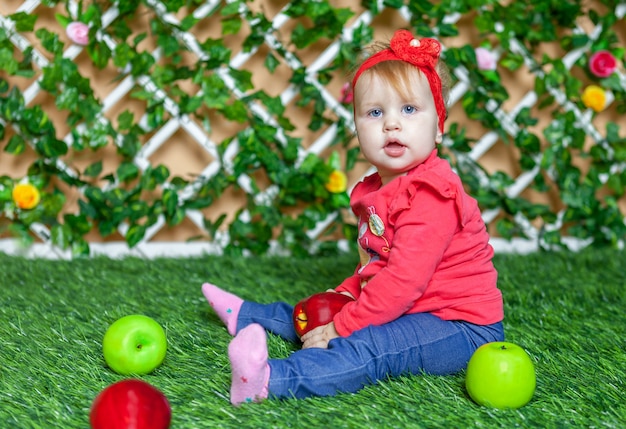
x=78 y=32
x=485 y=59
x=346 y=94
x=602 y=64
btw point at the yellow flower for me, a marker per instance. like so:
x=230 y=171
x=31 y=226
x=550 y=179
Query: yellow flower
x=594 y=98
x=337 y=182
x=25 y=196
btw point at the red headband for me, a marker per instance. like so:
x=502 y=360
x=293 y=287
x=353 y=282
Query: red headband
x=423 y=54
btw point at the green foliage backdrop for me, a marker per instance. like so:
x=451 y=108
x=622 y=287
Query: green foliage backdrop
x=568 y=150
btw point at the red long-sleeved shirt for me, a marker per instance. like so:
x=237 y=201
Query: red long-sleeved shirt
x=431 y=254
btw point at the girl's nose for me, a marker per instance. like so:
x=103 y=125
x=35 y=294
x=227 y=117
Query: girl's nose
x=391 y=123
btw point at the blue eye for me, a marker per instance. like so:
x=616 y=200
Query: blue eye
x=376 y=113
x=409 y=109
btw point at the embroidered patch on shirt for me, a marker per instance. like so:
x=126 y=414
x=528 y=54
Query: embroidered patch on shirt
x=376 y=225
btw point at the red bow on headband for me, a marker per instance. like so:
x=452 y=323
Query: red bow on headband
x=423 y=54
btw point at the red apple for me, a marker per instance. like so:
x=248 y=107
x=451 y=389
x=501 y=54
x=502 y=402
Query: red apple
x=317 y=310
x=130 y=404
x=500 y=375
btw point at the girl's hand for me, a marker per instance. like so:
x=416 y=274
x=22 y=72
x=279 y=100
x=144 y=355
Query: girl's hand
x=320 y=336
x=343 y=293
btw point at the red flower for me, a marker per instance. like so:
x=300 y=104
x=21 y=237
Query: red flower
x=602 y=64
x=346 y=94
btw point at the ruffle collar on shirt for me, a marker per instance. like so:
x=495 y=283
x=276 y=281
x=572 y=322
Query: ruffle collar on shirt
x=434 y=173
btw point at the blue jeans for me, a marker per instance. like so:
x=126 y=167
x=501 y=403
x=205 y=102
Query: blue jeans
x=412 y=344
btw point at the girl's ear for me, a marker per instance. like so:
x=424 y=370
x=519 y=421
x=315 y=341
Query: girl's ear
x=439 y=137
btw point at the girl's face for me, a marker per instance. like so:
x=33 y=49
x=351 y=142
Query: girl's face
x=396 y=132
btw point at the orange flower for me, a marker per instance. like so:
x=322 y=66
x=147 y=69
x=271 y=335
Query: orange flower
x=25 y=196
x=337 y=182
x=594 y=98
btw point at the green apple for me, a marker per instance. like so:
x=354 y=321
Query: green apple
x=500 y=375
x=134 y=344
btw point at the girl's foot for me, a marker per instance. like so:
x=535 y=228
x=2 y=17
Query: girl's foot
x=248 y=360
x=225 y=304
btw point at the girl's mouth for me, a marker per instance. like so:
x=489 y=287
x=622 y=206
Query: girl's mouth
x=394 y=148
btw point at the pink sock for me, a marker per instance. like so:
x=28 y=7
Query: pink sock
x=248 y=360
x=225 y=304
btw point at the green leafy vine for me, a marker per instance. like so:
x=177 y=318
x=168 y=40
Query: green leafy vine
x=289 y=191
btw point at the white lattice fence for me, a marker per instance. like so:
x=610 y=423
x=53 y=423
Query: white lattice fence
x=168 y=133
x=530 y=99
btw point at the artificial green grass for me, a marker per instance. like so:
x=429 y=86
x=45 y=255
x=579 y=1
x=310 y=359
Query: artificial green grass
x=565 y=309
